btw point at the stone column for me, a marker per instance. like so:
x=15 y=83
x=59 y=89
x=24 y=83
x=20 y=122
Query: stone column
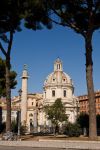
x=35 y=121
x=24 y=96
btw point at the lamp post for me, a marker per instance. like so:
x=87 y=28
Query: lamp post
x=19 y=113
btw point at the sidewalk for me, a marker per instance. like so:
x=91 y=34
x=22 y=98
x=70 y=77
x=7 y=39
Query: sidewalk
x=91 y=145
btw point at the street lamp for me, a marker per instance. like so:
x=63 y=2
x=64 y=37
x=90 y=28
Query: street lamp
x=19 y=113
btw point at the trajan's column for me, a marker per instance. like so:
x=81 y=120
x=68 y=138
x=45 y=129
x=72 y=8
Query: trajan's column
x=24 y=95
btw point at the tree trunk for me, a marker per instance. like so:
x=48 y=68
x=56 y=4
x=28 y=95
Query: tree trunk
x=90 y=88
x=8 y=94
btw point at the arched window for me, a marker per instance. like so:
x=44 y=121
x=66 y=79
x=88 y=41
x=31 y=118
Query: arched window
x=64 y=80
x=59 y=66
x=31 y=122
x=64 y=93
x=36 y=104
x=53 y=93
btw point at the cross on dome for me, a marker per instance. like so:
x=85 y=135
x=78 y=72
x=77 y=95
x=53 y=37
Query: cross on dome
x=25 y=66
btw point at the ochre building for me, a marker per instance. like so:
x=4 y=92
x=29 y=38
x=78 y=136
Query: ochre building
x=84 y=103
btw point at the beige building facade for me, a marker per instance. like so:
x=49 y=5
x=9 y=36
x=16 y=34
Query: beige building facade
x=58 y=84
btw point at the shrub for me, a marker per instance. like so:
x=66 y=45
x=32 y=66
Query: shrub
x=23 y=129
x=2 y=127
x=14 y=126
x=72 y=130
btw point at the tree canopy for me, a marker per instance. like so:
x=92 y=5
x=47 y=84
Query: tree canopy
x=83 y=16
x=56 y=112
x=80 y=15
x=12 y=13
x=13 y=75
x=83 y=120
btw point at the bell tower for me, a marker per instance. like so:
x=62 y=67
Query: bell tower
x=24 y=95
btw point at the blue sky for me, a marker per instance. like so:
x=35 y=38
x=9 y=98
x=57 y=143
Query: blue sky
x=39 y=50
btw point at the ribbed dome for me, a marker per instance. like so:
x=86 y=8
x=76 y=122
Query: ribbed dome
x=58 y=76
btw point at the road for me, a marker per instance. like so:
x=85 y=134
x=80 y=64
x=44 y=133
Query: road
x=32 y=148
x=49 y=145
x=27 y=148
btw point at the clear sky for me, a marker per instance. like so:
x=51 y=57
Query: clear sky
x=39 y=50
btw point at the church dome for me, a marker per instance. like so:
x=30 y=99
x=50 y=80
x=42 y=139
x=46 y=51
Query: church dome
x=58 y=77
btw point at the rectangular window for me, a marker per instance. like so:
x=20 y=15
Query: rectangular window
x=53 y=93
x=64 y=93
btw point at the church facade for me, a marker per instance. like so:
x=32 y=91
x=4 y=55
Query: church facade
x=58 y=84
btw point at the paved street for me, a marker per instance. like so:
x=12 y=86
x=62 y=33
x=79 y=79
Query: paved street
x=50 y=145
x=31 y=148
x=27 y=148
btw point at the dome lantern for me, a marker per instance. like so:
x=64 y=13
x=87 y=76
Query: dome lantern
x=58 y=65
x=58 y=77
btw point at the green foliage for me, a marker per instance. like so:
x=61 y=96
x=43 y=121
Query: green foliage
x=2 y=77
x=14 y=126
x=12 y=13
x=2 y=127
x=23 y=129
x=98 y=121
x=77 y=14
x=73 y=130
x=56 y=112
x=13 y=75
x=83 y=120
x=13 y=82
x=36 y=15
